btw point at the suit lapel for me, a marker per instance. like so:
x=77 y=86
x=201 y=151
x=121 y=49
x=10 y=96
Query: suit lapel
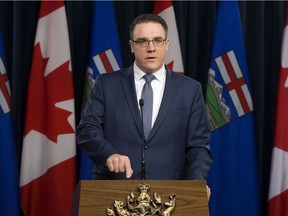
x=130 y=93
x=169 y=94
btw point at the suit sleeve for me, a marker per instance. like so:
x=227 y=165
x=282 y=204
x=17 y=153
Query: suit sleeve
x=198 y=154
x=90 y=135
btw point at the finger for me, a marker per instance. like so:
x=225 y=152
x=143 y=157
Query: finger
x=122 y=164
x=110 y=165
x=116 y=164
x=128 y=168
x=208 y=192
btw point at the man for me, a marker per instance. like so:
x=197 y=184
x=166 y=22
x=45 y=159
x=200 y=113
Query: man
x=113 y=129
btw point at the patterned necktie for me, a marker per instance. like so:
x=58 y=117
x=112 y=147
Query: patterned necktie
x=147 y=96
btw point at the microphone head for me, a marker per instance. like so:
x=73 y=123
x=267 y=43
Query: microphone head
x=141 y=102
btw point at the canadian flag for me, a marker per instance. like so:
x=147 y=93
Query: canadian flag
x=278 y=191
x=173 y=57
x=48 y=166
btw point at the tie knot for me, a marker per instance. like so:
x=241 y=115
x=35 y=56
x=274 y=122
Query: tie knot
x=149 y=77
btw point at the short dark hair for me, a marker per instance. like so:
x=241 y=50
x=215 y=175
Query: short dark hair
x=145 y=18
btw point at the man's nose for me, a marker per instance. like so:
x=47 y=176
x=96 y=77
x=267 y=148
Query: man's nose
x=151 y=46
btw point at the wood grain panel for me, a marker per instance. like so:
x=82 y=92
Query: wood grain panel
x=95 y=196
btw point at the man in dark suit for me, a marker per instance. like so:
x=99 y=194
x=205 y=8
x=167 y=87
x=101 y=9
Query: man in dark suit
x=111 y=131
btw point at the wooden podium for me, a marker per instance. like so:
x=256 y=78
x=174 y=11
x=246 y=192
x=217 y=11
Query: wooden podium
x=93 y=197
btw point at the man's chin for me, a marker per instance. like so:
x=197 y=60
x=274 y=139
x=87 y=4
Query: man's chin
x=151 y=69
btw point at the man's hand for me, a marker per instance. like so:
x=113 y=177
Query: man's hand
x=208 y=192
x=119 y=163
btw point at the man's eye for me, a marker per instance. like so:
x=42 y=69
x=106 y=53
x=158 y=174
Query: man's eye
x=158 y=40
x=142 y=42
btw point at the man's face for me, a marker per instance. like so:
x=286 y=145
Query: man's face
x=149 y=57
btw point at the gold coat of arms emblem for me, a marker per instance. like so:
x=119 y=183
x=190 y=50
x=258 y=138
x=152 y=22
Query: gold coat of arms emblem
x=143 y=205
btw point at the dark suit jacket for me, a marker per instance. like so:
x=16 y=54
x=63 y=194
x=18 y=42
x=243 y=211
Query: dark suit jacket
x=178 y=146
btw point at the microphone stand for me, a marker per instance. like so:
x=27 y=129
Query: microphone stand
x=143 y=163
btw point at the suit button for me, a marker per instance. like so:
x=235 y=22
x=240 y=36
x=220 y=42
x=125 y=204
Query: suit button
x=145 y=147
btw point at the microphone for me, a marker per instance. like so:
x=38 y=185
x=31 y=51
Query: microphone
x=143 y=163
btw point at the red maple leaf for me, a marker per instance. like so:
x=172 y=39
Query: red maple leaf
x=170 y=65
x=42 y=115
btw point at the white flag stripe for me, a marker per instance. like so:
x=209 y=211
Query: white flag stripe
x=236 y=102
x=279 y=180
x=99 y=64
x=8 y=87
x=284 y=55
x=234 y=63
x=3 y=100
x=247 y=96
x=174 y=52
x=286 y=82
x=3 y=103
x=2 y=67
x=222 y=69
x=52 y=38
x=112 y=60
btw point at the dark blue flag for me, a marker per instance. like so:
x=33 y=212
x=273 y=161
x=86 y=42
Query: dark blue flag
x=104 y=57
x=233 y=176
x=9 y=181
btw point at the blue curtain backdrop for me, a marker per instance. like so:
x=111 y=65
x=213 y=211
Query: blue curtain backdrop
x=262 y=24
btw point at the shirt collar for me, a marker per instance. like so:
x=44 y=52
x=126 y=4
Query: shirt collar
x=160 y=74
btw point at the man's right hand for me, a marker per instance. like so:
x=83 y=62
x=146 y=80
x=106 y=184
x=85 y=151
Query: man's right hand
x=119 y=163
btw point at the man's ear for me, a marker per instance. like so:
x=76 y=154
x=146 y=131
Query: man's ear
x=131 y=46
x=167 y=44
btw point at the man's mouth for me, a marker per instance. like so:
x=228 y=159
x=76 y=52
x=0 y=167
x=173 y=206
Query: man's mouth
x=151 y=58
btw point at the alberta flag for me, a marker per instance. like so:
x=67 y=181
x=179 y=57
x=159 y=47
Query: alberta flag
x=233 y=176
x=9 y=183
x=104 y=57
